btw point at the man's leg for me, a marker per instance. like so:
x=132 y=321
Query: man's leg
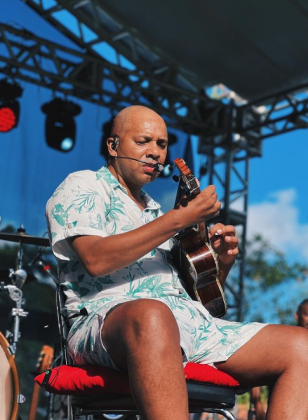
x=277 y=354
x=142 y=337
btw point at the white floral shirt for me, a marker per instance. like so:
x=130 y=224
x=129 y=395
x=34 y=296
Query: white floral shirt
x=95 y=203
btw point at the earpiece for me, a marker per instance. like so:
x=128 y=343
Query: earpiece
x=115 y=143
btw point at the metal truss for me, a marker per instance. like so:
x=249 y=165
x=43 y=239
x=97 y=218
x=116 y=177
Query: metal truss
x=227 y=167
x=229 y=172
x=273 y=115
x=253 y=122
x=94 y=24
x=27 y=57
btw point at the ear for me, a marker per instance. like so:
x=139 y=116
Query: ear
x=110 y=142
x=296 y=317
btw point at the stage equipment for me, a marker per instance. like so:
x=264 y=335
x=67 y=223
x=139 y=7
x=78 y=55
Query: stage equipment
x=9 y=106
x=24 y=238
x=60 y=128
x=9 y=382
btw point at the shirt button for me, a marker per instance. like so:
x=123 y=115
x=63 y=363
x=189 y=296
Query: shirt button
x=70 y=226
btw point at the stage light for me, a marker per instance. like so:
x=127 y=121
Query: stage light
x=60 y=127
x=9 y=106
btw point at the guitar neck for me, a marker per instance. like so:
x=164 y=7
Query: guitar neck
x=44 y=363
x=188 y=186
x=34 y=402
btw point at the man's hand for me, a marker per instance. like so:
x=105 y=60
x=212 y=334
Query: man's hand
x=224 y=243
x=199 y=208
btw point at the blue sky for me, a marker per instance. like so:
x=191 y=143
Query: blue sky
x=30 y=171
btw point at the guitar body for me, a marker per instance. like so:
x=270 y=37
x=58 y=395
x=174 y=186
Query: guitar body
x=198 y=261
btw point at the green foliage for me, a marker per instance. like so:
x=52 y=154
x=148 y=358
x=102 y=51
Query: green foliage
x=269 y=267
x=268 y=278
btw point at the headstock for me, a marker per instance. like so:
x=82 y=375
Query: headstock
x=188 y=182
x=45 y=359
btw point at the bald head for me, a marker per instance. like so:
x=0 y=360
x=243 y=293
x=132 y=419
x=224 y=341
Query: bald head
x=128 y=116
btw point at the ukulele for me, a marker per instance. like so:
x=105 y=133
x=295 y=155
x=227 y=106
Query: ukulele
x=43 y=363
x=198 y=261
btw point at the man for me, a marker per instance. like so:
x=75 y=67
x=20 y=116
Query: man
x=113 y=247
x=301 y=315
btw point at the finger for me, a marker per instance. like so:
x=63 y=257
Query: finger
x=233 y=252
x=211 y=189
x=220 y=229
x=232 y=248
x=217 y=229
x=231 y=240
x=229 y=230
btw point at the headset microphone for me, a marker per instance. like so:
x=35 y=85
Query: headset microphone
x=158 y=167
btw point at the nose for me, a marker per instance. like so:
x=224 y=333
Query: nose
x=153 y=150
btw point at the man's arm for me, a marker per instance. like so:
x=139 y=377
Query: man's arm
x=102 y=256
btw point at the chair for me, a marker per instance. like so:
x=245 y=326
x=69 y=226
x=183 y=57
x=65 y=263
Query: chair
x=206 y=396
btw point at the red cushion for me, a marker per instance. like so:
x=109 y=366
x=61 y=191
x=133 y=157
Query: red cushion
x=206 y=373
x=92 y=379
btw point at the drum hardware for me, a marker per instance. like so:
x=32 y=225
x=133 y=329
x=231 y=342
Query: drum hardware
x=37 y=257
x=23 y=238
x=48 y=270
x=18 y=277
x=16 y=295
x=10 y=395
x=21 y=399
x=7 y=276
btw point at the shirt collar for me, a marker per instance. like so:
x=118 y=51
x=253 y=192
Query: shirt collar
x=106 y=175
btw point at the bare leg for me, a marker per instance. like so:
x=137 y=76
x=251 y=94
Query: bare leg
x=277 y=354
x=142 y=337
x=255 y=399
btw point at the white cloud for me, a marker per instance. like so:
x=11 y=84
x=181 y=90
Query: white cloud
x=277 y=221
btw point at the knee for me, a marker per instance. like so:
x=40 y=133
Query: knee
x=299 y=347
x=151 y=323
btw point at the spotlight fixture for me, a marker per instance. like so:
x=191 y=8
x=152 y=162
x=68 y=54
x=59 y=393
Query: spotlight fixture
x=60 y=127
x=9 y=106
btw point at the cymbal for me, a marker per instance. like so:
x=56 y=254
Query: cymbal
x=24 y=238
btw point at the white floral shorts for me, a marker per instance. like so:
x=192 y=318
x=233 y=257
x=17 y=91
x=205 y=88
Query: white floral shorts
x=204 y=339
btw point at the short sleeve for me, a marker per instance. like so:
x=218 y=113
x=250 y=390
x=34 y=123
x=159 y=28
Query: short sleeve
x=77 y=207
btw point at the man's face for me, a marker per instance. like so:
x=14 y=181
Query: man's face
x=302 y=316
x=143 y=137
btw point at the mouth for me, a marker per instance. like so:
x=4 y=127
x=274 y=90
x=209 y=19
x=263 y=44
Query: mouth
x=148 y=167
